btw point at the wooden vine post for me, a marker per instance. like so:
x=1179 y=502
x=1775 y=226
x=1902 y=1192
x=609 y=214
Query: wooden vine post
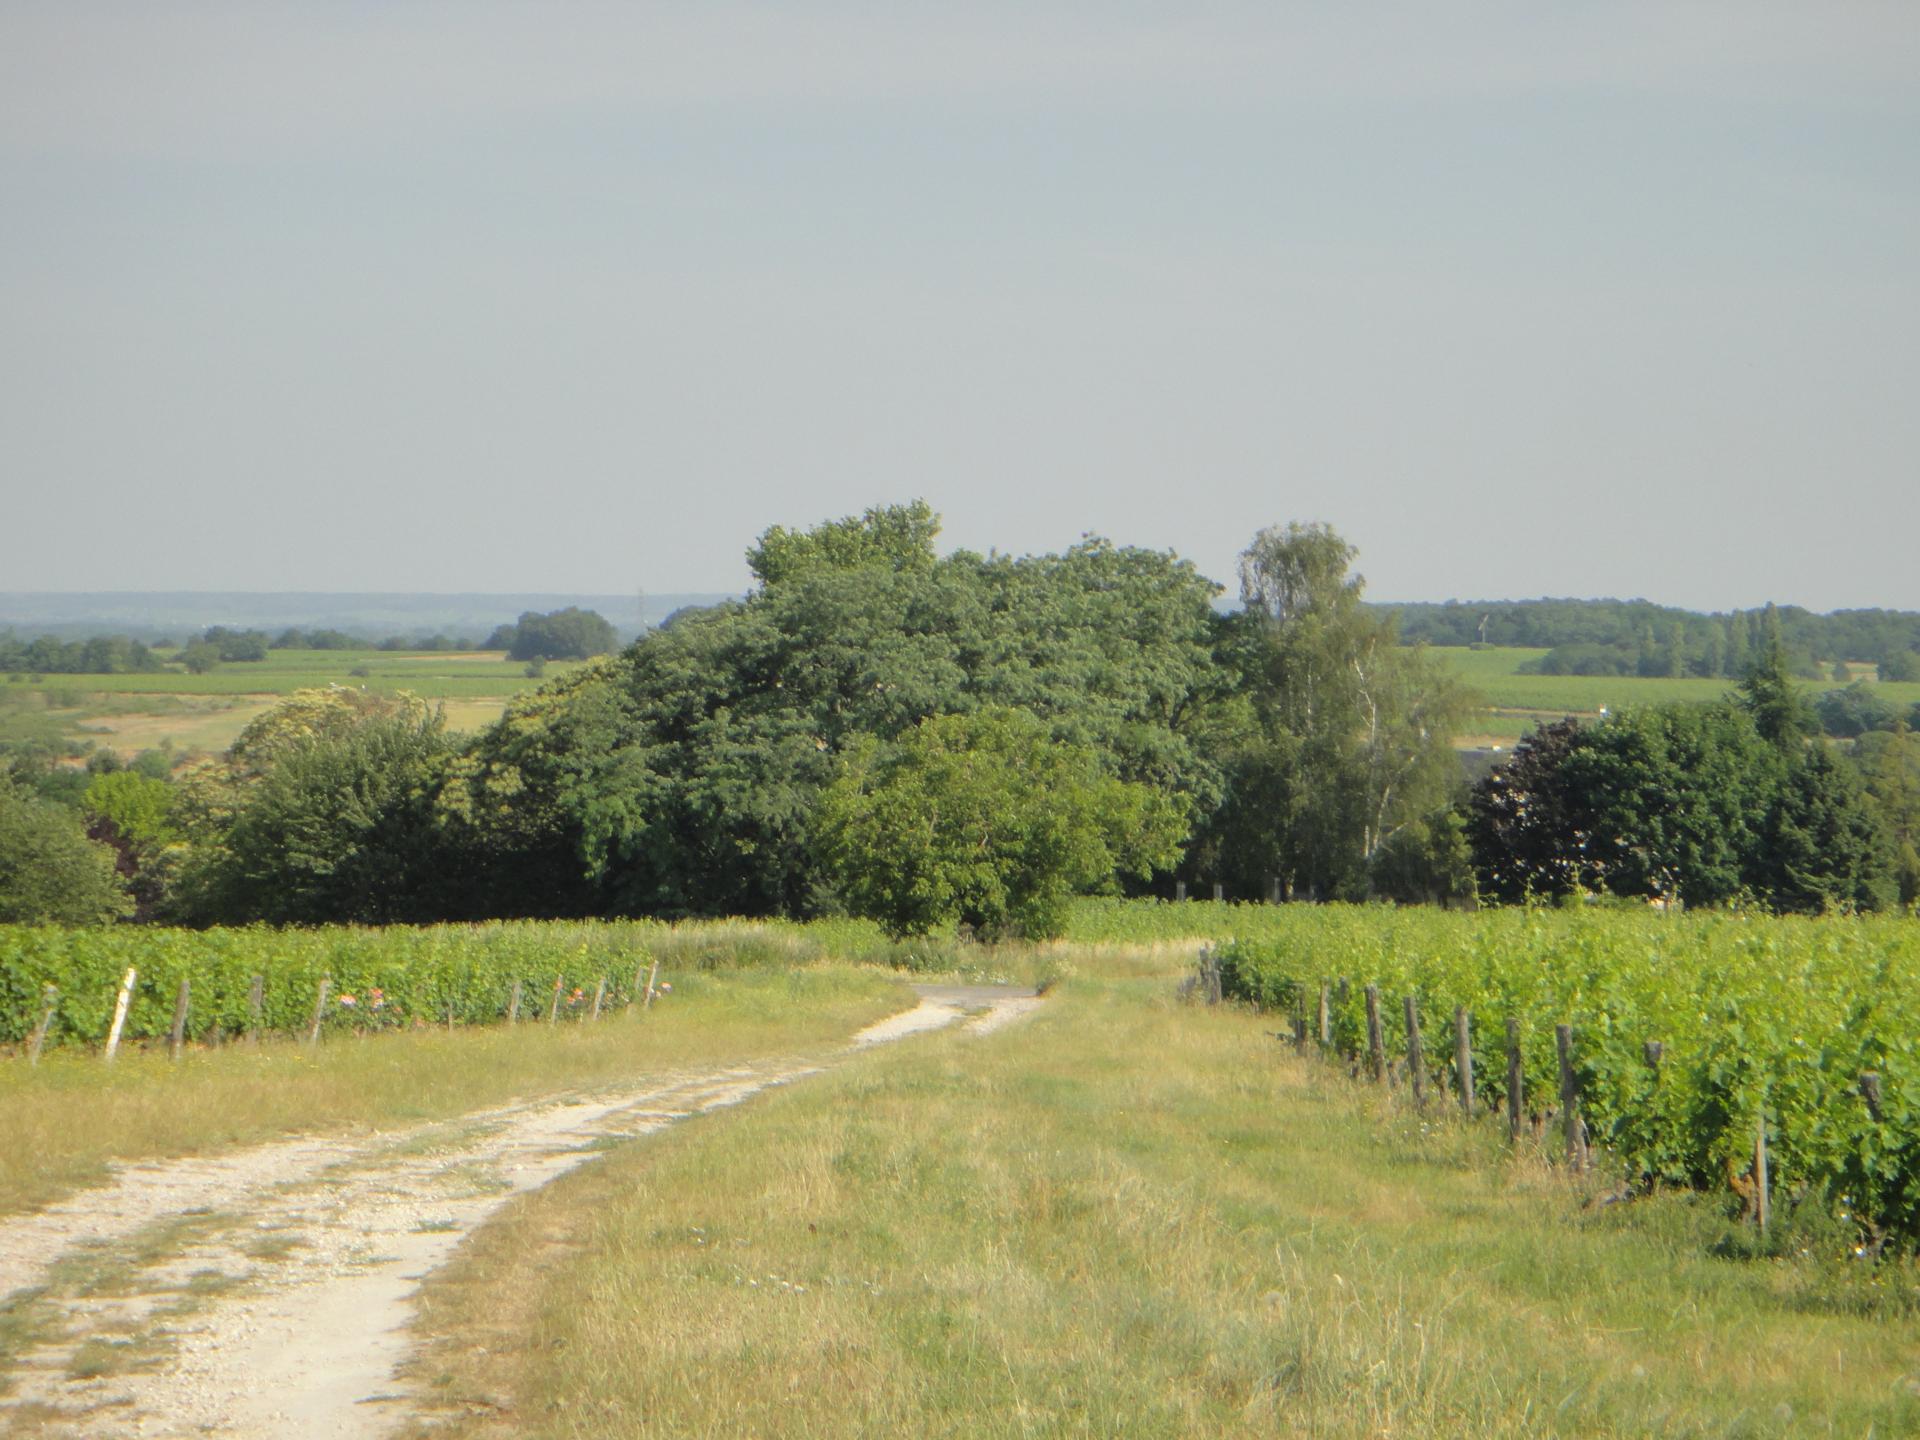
x=1870 y=1092
x=653 y=974
x=1416 y=1055
x=1376 y=1045
x=49 y=1003
x=1326 y=1021
x=1208 y=970
x=639 y=979
x=324 y=989
x=513 y=1004
x=1463 y=1058
x=599 y=994
x=256 y=1007
x=120 y=1013
x=1762 y=1206
x=1515 y=1079
x=1570 y=1099
x=553 y=1010
x=177 y=1037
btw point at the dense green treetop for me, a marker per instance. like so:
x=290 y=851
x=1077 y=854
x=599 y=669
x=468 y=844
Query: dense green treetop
x=684 y=777
x=538 y=807
x=988 y=821
x=1889 y=765
x=1854 y=711
x=332 y=830
x=1689 y=803
x=50 y=872
x=1530 y=832
x=569 y=634
x=1779 y=710
x=1677 y=799
x=1825 y=848
x=322 y=713
x=239 y=645
x=885 y=537
x=139 y=807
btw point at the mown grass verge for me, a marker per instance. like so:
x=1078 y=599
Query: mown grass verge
x=64 y=1121
x=1130 y=1217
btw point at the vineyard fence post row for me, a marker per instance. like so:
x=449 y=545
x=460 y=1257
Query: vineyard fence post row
x=645 y=988
x=1575 y=1136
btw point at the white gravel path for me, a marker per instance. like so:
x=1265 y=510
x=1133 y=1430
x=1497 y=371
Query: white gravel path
x=280 y=1301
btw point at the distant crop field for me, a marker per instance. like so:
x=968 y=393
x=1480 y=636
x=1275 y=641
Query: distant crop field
x=209 y=723
x=1517 y=700
x=436 y=675
x=131 y=713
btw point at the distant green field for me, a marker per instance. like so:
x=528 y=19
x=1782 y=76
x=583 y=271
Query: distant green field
x=436 y=675
x=1495 y=674
x=130 y=713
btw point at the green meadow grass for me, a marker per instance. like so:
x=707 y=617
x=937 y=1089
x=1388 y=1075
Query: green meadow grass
x=1131 y=1217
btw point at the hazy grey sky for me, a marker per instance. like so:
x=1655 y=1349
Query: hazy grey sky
x=1524 y=298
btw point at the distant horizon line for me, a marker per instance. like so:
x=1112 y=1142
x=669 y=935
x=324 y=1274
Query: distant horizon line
x=363 y=594
x=658 y=595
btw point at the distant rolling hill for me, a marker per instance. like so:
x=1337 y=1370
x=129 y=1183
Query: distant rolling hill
x=153 y=614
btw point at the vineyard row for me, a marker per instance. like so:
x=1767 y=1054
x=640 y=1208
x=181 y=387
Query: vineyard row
x=86 y=987
x=1691 y=1045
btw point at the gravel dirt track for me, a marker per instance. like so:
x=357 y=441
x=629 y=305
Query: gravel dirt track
x=267 y=1292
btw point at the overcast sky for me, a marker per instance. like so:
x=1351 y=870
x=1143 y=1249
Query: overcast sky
x=1570 y=298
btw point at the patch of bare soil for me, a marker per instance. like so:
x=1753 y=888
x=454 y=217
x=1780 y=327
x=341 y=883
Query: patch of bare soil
x=267 y=1293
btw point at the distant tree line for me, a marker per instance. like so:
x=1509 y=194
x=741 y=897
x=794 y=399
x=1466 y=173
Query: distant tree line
x=1636 y=637
x=569 y=634
x=98 y=655
x=562 y=635
x=968 y=740
x=295 y=638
